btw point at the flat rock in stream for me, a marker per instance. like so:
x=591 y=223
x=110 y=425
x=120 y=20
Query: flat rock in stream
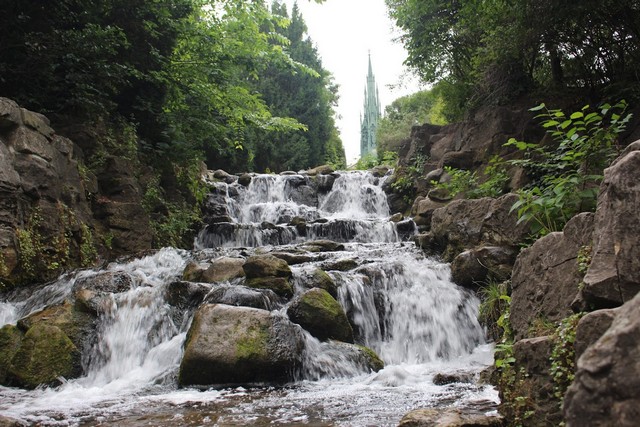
x=449 y=417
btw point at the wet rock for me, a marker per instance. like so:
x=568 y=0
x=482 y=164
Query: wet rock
x=238 y=346
x=320 y=314
x=244 y=179
x=10 y=339
x=45 y=354
x=11 y=422
x=294 y=258
x=545 y=276
x=224 y=269
x=406 y=229
x=606 y=389
x=242 y=296
x=280 y=285
x=450 y=378
x=193 y=271
x=90 y=292
x=323 y=246
x=591 y=327
x=186 y=295
x=396 y=217
x=449 y=417
x=224 y=176
x=260 y=266
x=329 y=357
x=325 y=182
x=320 y=170
x=344 y=264
x=319 y=279
x=300 y=224
x=476 y=266
x=613 y=277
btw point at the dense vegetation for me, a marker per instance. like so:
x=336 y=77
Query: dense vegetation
x=173 y=80
x=490 y=52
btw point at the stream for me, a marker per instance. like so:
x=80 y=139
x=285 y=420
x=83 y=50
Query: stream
x=400 y=303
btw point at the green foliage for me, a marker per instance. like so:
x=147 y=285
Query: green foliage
x=567 y=174
x=490 y=52
x=404 y=113
x=584 y=258
x=468 y=183
x=88 y=251
x=366 y=162
x=172 y=224
x=563 y=355
x=494 y=306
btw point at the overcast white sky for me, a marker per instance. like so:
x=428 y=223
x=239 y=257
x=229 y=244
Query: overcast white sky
x=344 y=31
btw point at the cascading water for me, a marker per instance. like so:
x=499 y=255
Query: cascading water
x=400 y=304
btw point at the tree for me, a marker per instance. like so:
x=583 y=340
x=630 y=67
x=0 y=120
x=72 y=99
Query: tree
x=307 y=97
x=404 y=113
x=492 y=51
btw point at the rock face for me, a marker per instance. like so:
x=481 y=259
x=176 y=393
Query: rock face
x=38 y=173
x=239 y=345
x=546 y=278
x=613 y=276
x=606 y=389
x=466 y=224
x=320 y=314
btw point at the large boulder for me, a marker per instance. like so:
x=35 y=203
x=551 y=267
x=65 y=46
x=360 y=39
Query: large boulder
x=606 y=389
x=259 y=266
x=224 y=269
x=318 y=279
x=546 y=277
x=40 y=179
x=45 y=354
x=320 y=314
x=475 y=267
x=591 y=327
x=240 y=345
x=613 y=276
x=465 y=224
x=243 y=296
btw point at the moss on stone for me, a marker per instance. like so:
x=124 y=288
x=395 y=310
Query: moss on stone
x=320 y=314
x=374 y=361
x=10 y=339
x=321 y=279
x=252 y=342
x=45 y=354
x=279 y=285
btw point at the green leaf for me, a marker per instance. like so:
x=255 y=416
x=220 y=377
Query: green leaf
x=577 y=115
x=538 y=107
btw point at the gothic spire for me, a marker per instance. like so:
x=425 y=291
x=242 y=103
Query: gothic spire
x=369 y=121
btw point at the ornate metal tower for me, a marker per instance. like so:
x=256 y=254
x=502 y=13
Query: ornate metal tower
x=369 y=123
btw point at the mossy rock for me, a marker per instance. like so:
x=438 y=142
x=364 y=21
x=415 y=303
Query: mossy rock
x=10 y=339
x=266 y=266
x=371 y=357
x=72 y=319
x=320 y=279
x=320 y=314
x=280 y=285
x=229 y=345
x=45 y=354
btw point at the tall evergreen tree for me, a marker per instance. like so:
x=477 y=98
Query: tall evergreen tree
x=310 y=99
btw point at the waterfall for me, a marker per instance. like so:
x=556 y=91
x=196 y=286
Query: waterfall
x=400 y=304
